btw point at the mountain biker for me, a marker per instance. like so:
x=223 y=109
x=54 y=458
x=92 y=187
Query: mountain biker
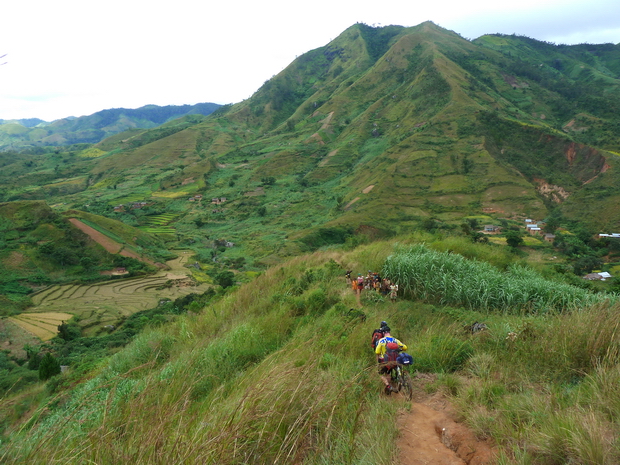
x=377 y=334
x=387 y=351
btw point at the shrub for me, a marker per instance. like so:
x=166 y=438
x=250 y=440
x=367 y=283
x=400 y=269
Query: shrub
x=49 y=367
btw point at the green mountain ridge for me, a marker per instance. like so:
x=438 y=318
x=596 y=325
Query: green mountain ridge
x=383 y=128
x=385 y=150
x=33 y=132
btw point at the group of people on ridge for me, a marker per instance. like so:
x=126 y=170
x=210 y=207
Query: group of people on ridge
x=373 y=281
x=390 y=352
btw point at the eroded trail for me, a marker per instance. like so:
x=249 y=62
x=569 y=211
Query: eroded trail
x=430 y=434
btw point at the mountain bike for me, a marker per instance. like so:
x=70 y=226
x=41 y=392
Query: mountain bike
x=402 y=380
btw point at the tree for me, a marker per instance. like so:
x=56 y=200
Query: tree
x=225 y=279
x=69 y=331
x=586 y=264
x=49 y=367
x=514 y=238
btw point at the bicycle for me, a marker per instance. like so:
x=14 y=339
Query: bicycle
x=402 y=380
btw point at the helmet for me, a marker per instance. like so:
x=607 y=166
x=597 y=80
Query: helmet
x=383 y=323
x=386 y=329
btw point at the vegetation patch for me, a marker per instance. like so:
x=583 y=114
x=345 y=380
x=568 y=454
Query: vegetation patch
x=450 y=279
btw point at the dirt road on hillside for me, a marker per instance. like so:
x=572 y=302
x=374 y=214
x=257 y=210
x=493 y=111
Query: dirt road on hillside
x=110 y=245
x=430 y=434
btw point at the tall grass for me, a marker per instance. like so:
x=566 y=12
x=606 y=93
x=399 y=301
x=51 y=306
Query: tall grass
x=450 y=279
x=280 y=371
x=274 y=373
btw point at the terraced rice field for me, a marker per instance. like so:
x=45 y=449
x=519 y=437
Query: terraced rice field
x=103 y=304
x=43 y=325
x=158 y=224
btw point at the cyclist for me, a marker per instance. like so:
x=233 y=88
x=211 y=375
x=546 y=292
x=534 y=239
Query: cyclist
x=387 y=352
x=377 y=334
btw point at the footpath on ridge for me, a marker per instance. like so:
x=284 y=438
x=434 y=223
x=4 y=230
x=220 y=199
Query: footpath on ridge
x=431 y=434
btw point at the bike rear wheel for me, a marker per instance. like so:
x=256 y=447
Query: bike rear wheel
x=405 y=385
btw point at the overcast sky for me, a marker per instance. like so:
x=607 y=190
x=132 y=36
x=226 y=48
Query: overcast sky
x=76 y=57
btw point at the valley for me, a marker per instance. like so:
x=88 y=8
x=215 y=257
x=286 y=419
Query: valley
x=197 y=266
x=99 y=305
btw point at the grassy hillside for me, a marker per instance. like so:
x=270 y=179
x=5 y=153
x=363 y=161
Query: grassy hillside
x=383 y=129
x=280 y=371
x=408 y=133
x=15 y=135
x=40 y=247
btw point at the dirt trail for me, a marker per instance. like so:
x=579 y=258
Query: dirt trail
x=109 y=244
x=430 y=434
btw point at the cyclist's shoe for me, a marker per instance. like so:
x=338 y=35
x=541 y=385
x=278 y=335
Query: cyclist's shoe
x=388 y=389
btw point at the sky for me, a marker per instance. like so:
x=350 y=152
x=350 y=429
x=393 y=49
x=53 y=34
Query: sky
x=76 y=57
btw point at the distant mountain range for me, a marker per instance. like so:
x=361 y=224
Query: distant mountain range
x=33 y=132
x=381 y=131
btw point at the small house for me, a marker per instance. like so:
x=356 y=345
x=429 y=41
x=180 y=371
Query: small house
x=549 y=237
x=490 y=228
x=600 y=276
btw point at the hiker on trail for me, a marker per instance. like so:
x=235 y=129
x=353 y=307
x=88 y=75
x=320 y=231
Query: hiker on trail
x=348 y=276
x=385 y=287
x=378 y=334
x=360 y=284
x=393 y=292
x=387 y=352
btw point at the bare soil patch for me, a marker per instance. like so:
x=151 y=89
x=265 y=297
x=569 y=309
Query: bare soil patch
x=368 y=189
x=324 y=161
x=109 y=244
x=101 y=239
x=347 y=206
x=255 y=192
x=430 y=433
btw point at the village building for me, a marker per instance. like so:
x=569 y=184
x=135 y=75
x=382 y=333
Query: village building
x=600 y=276
x=549 y=237
x=491 y=228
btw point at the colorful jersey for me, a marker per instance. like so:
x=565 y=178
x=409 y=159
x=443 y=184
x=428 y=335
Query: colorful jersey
x=382 y=345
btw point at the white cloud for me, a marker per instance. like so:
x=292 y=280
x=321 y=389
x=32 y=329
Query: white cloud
x=71 y=57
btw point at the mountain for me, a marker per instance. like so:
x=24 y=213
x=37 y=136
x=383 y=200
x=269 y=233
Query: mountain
x=20 y=134
x=26 y=122
x=381 y=131
x=414 y=133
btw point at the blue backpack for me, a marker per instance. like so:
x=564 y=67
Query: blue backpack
x=404 y=359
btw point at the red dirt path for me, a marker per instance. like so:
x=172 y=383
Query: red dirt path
x=110 y=245
x=431 y=434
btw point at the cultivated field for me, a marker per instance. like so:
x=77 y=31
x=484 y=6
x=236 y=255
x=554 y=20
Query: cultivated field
x=103 y=304
x=43 y=325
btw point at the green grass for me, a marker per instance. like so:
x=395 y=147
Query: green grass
x=450 y=279
x=303 y=370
